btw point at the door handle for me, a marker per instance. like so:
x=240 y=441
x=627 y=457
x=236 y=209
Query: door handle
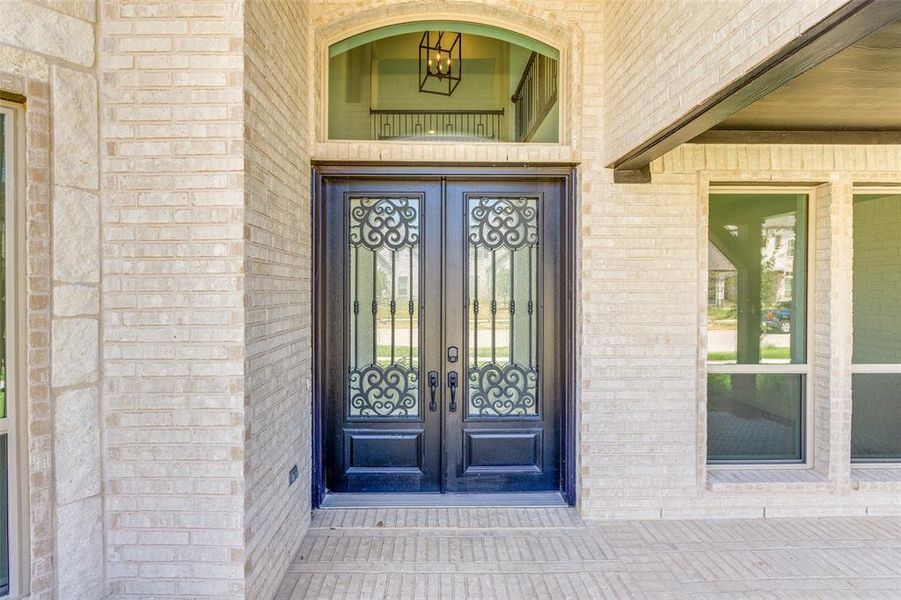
x=433 y=387
x=452 y=384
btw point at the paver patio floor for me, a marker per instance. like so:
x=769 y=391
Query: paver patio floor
x=552 y=553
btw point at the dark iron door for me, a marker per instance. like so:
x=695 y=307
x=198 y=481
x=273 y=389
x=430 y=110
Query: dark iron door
x=502 y=243
x=441 y=335
x=382 y=275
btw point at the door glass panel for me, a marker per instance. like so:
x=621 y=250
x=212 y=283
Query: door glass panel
x=503 y=288
x=384 y=237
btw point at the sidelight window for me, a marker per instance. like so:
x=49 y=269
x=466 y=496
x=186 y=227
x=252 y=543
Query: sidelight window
x=876 y=379
x=12 y=536
x=757 y=327
x=443 y=81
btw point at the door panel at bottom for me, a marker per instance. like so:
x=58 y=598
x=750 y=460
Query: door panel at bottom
x=502 y=240
x=383 y=303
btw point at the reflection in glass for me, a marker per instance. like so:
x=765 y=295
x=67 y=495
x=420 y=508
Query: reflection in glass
x=876 y=420
x=877 y=279
x=384 y=241
x=754 y=417
x=757 y=276
x=508 y=92
x=503 y=326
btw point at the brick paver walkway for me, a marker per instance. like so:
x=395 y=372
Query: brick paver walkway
x=551 y=553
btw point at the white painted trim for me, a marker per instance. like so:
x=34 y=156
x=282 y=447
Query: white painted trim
x=762 y=368
x=16 y=388
x=876 y=368
x=887 y=189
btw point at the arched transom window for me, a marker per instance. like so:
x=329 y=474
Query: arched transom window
x=443 y=81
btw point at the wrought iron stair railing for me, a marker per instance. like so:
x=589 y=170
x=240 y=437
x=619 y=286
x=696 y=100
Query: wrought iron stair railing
x=535 y=95
x=416 y=124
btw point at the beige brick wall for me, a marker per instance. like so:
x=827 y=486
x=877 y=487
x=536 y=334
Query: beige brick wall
x=663 y=58
x=278 y=322
x=173 y=296
x=200 y=305
x=643 y=434
x=47 y=55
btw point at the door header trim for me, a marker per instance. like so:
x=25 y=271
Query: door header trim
x=437 y=171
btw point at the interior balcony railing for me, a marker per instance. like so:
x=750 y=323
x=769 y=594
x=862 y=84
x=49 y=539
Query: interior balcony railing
x=535 y=95
x=481 y=125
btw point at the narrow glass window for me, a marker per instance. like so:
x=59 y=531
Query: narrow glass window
x=443 y=81
x=876 y=382
x=757 y=327
x=5 y=145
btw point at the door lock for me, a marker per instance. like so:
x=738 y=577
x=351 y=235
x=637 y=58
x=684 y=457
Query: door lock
x=452 y=354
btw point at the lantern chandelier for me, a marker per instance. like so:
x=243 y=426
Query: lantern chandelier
x=440 y=62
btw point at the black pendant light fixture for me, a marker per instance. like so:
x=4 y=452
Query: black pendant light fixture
x=440 y=62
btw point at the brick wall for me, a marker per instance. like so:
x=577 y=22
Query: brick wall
x=277 y=120
x=173 y=314
x=663 y=58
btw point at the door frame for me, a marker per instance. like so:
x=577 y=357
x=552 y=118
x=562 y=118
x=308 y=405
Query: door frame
x=562 y=173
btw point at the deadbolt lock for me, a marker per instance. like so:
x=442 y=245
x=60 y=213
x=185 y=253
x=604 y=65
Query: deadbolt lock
x=452 y=354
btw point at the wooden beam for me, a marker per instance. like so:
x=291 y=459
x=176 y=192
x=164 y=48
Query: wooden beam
x=11 y=97
x=740 y=136
x=844 y=27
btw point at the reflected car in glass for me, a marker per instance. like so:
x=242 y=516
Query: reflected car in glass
x=779 y=318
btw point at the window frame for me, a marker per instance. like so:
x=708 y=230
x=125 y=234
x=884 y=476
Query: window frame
x=806 y=369
x=870 y=368
x=14 y=424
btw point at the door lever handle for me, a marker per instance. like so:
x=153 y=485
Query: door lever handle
x=452 y=384
x=433 y=387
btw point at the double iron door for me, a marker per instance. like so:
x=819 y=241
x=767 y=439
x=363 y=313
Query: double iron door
x=441 y=334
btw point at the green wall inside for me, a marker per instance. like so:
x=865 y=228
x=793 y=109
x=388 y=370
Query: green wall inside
x=384 y=75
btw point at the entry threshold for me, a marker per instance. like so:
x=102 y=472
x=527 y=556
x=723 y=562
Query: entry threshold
x=422 y=500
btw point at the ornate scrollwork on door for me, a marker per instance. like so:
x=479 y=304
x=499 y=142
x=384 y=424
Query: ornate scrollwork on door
x=391 y=223
x=503 y=390
x=383 y=374
x=384 y=391
x=503 y=223
x=503 y=279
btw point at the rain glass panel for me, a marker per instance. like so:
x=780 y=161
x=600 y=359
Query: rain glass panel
x=456 y=84
x=877 y=279
x=503 y=297
x=876 y=420
x=384 y=237
x=757 y=276
x=754 y=417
